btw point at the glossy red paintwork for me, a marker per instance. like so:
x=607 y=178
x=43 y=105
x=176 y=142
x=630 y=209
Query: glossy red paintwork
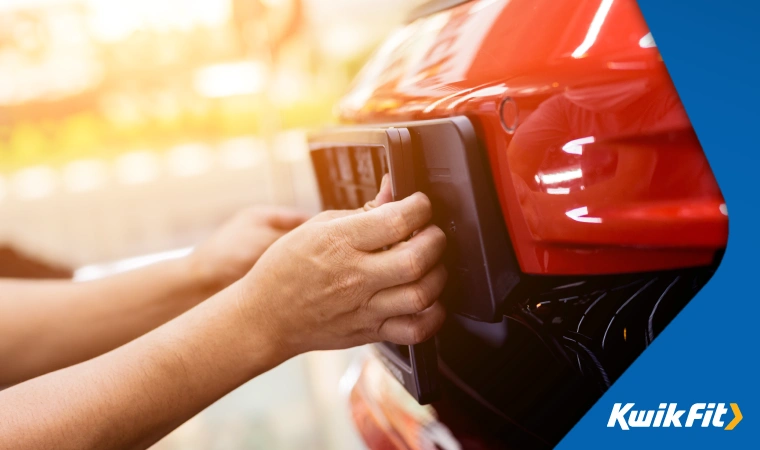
x=603 y=173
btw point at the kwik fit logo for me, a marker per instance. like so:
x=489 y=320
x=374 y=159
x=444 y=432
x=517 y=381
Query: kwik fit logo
x=669 y=415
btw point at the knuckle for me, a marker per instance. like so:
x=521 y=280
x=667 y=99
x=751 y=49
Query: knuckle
x=423 y=204
x=417 y=297
x=439 y=237
x=346 y=282
x=368 y=336
x=418 y=333
x=398 y=223
x=414 y=264
x=370 y=205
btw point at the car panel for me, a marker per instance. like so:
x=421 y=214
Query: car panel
x=598 y=170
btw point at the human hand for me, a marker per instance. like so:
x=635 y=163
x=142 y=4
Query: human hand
x=328 y=284
x=236 y=246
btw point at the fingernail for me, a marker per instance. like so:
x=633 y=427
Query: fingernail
x=384 y=181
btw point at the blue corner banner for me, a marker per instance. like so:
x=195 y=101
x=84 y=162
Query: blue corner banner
x=709 y=354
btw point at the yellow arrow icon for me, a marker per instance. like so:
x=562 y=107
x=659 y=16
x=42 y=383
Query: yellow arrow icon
x=737 y=417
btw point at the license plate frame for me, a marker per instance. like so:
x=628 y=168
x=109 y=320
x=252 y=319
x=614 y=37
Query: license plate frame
x=441 y=158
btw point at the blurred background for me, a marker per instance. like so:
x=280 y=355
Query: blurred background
x=130 y=129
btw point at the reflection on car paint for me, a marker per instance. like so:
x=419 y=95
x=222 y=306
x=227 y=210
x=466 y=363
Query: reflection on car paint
x=567 y=71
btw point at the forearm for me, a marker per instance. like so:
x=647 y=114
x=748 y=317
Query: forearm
x=48 y=325
x=132 y=396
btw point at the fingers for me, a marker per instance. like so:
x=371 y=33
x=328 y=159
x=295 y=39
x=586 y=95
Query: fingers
x=414 y=328
x=410 y=298
x=387 y=224
x=407 y=262
x=284 y=218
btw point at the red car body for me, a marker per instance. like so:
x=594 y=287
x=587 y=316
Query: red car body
x=594 y=160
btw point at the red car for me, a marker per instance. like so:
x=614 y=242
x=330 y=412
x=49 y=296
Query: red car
x=580 y=210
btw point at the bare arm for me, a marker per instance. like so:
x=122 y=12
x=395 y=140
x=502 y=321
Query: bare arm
x=323 y=286
x=48 y=325
x=132 y=396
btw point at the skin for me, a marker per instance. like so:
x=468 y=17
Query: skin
x=48 y=325
x=326 y=285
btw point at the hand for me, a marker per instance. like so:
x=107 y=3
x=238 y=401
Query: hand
x=328 y=284
x=235 y=247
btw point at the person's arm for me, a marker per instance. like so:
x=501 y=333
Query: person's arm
x=132 y=396
x=48 y=325
x=325 y=285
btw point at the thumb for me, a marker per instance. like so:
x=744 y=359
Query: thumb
x=383 y=196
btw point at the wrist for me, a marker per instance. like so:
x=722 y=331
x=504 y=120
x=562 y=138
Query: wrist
x=190 y=283
x=268 y=328
x=198 y=276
